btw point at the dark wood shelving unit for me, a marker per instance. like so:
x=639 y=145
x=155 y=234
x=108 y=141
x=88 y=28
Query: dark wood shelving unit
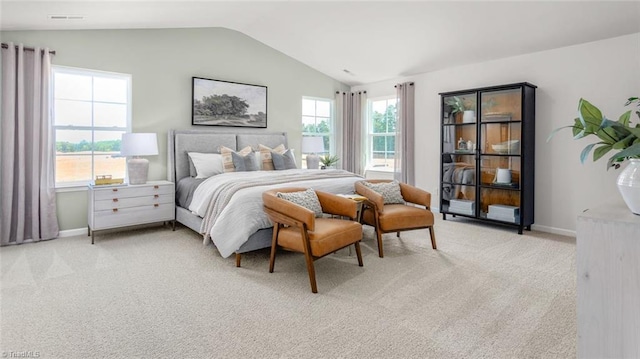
x=488 y=154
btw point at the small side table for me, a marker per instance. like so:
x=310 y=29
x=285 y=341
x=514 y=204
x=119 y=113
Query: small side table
x=360 y=206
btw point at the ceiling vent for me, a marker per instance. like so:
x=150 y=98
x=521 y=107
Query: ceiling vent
x=65 y=17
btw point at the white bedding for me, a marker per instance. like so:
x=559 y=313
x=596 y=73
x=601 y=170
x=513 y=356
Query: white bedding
x=231 y=203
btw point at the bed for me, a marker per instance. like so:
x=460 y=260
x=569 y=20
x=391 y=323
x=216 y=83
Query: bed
x=226 y=209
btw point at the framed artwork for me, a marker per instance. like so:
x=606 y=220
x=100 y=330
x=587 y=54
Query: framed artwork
x=225 y=103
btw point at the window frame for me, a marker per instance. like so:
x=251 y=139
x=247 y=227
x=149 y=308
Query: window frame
x=370 y=134
x=55 y=69
x=332 y=124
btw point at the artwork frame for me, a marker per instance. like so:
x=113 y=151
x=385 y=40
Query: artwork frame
x=227 y=103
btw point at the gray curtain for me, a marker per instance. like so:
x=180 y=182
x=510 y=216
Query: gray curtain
x=404 y=162
x=350 y=110
x=27 y=184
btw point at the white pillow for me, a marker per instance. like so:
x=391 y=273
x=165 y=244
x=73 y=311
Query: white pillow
x=206 y=164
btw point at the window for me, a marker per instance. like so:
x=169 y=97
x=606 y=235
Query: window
x=91 y=111
x=317 y=120
x=381 y=127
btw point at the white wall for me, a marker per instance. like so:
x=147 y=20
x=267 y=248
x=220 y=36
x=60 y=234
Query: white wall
x=162 y=62
x=605 y=72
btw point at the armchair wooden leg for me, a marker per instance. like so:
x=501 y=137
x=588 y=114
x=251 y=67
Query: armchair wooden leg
x=312 y=272
x=380 y=251
x=358 y=253
x=433 y=237
x=398 y=234
x=274 y=246
x=238 y=258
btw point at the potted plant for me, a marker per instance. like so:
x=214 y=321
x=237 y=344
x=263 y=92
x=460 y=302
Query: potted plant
x=620 y=136
x=466 y=107
x=458 y=106
x=328 y=161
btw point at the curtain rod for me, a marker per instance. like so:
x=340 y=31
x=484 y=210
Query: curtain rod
x=410 y=84
x=338 y=92
x=6 y=46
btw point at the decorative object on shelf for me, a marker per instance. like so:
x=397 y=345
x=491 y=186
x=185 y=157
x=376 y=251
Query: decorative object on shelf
x=461 y=105
x=468 y=116
x=225 y=103
x=462 y=145
x=328 y=161
x=135 y=145
x=312 y=145
x=506 y=147
x=503 y=175
x=614 y=135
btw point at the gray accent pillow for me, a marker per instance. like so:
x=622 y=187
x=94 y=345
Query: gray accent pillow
x=390 y=191
x=307 y=199
x=284 y=161
x=245 y=163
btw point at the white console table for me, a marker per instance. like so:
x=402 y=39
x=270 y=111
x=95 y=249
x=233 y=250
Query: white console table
x=608 y=264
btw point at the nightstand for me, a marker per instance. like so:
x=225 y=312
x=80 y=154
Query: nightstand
x=129 y=205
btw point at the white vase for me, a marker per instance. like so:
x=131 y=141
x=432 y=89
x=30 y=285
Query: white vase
x=468 y=116
x=629 y=185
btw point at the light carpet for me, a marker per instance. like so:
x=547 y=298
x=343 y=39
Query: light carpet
x=487 y=292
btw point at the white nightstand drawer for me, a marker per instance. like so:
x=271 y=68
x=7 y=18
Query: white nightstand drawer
x=109 y=204
x=131 y=191
x=135 y=215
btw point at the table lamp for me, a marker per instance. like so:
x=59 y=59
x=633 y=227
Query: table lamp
x=135 y=145
x=311 y=145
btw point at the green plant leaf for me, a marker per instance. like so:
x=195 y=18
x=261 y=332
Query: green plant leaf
x=608 y=135
x=624 y=119
x=553 y=133
x=590 y=116
x=578 y=129
x=600 y=151
x=585 y=152
x=631 y=100
x=623 y=143
x=631 y=151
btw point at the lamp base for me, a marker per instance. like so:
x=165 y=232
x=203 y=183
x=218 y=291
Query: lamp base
x=138 y=170
x=312 y=162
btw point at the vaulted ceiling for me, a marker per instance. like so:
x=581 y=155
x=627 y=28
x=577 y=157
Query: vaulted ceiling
x=372 y=41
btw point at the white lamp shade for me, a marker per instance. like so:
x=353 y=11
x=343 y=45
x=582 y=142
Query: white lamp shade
x=313 y=144
x=139 y=144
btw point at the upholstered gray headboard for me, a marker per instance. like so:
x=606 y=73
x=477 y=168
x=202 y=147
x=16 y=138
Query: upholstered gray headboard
x=181 y=142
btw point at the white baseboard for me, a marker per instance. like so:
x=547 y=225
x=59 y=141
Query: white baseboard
x=553 y=230
x=536 y=227
x=72 y=232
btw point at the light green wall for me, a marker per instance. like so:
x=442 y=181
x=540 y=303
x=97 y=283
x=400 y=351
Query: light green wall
x=161 y=63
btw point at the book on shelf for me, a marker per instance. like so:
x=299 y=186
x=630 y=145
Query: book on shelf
x=461 y=203
x=503 y=209
x=496 y=116
x=504 y=218
x=469 y=212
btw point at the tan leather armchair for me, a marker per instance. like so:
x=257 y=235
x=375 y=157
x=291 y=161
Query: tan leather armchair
x=295 y=228
x=387 y=218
